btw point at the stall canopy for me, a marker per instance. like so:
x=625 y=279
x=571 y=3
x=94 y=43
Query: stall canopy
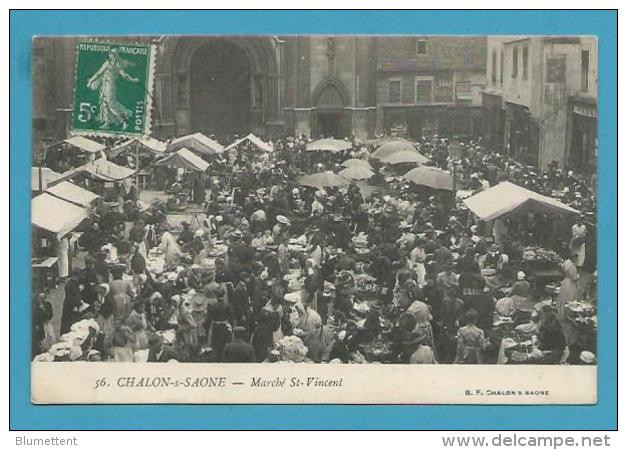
x=197 y=143
x=257 y=142
x=184 y=159
x=47 y=177
x=106 y=170
x=56 y=215
x=84 y=144
x=508 y=198
x=149 y=144
x=328 y=145
x=72 y=193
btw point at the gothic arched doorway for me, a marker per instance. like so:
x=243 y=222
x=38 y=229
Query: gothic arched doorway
x=220 y=84
x=329 y=119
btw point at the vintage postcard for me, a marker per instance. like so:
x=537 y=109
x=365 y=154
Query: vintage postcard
x=314 y=219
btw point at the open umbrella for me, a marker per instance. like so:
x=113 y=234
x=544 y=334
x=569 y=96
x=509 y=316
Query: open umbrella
x=328 y=145
x=431 y=177
x=322 y=180
x=404 y=157
x=354 y=162
x=394 y=147
x=356 y=173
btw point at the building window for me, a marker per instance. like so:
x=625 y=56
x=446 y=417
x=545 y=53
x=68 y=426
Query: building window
x=493 y=67
x=463 y=90
x=515 y=63
x=585 y=69
x=443 y=88
x=502 y=64
x=424 y=90
x=422 y=47
x=395 y=91
x=257 y=91
x=525 y=62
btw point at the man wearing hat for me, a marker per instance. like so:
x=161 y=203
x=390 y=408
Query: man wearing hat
x=240 y=300
x=240 y=350
x=423 y=354
x=159 y=351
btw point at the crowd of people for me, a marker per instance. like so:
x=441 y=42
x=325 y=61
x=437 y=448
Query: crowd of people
x=378 y=271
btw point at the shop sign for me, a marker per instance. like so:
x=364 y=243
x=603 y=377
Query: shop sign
x=585 y=111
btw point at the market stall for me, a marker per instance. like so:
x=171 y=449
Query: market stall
x=53 y=219
x=197 y=143
x=72 y=193
x=40 y=181
x=254 y=141
x=184 y=159
x=138 y=154
x=328 y=145
x=508 y=198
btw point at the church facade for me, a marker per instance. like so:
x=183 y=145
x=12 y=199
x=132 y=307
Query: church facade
x=336 y=86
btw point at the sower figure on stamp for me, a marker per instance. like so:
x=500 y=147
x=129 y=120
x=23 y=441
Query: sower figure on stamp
x=111 y=111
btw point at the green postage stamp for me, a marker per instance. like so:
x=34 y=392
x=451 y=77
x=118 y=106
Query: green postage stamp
x=113 y=89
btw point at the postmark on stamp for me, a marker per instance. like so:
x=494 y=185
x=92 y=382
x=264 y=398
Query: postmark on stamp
x=113 y=89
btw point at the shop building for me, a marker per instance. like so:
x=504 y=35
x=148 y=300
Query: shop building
x=542 y=94
x=430 y=85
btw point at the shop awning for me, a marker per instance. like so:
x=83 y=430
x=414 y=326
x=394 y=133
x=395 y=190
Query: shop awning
x=198 y=143
x=508 y=198
x=84 y=144
x=72 y=193
x=184 y=159
x=149 y=144
x=106 y=170
x=257 y=142
x=55 y=215
x=47 y=176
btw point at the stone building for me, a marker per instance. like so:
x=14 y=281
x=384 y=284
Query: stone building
x=271 y=85
x=540 y=101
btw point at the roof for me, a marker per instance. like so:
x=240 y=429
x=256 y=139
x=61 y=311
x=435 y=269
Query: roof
x=47 y=176
x=73 y=193
x=185 y=159
x=106 y=170
x=198 y=143
x=84 y=144
x=147 y=143
x=55 y=215
x=508 y=198
x=257 y=142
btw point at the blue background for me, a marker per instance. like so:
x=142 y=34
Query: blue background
x=25 y=24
